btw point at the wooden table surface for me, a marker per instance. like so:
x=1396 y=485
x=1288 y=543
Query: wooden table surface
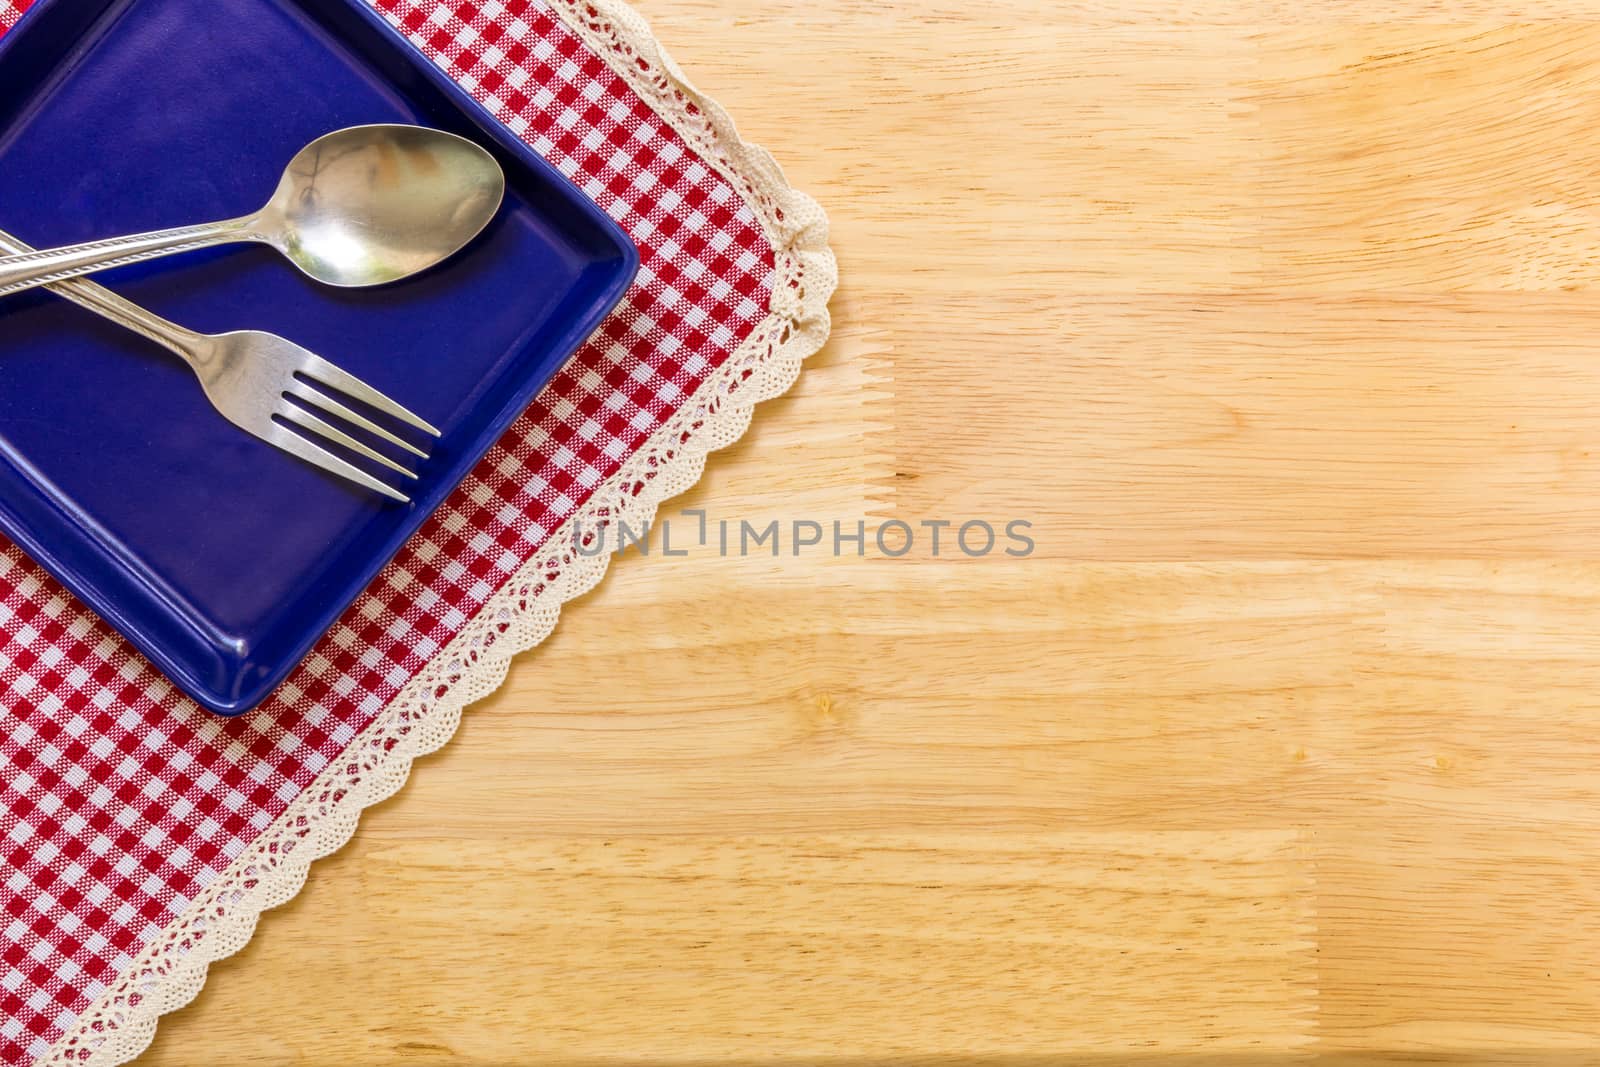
x=1281 y=323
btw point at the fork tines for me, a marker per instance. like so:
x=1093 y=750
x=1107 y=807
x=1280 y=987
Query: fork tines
x=306 y=406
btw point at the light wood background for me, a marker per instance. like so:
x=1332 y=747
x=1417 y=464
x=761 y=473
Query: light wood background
x=1281 y=322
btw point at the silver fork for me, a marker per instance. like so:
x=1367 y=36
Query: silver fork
x=250 y=377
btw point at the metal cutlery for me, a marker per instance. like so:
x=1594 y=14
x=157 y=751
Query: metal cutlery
x=361 y=206
x=268 y=387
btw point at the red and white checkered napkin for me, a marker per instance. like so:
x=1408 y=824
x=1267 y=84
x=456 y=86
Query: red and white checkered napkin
x=120 y=801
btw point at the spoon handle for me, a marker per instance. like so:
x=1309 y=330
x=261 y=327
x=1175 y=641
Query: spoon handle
x=29 y=269
x=108 y=305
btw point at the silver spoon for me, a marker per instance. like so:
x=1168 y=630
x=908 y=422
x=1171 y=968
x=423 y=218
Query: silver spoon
x=362 y=206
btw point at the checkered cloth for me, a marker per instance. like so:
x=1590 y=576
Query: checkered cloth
x=119 y=799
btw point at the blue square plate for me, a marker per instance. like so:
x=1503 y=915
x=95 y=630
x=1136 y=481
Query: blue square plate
x=221 y=558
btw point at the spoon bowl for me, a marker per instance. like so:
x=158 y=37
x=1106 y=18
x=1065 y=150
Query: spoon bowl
x=373 y=204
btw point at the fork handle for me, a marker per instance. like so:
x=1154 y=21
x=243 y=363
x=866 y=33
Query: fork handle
x=125 y=313
x=26 y=270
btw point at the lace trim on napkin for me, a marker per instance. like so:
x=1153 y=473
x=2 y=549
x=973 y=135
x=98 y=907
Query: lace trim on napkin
x=170 y=972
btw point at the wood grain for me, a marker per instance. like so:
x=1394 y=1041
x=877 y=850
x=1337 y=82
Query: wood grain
x=1279 y=323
